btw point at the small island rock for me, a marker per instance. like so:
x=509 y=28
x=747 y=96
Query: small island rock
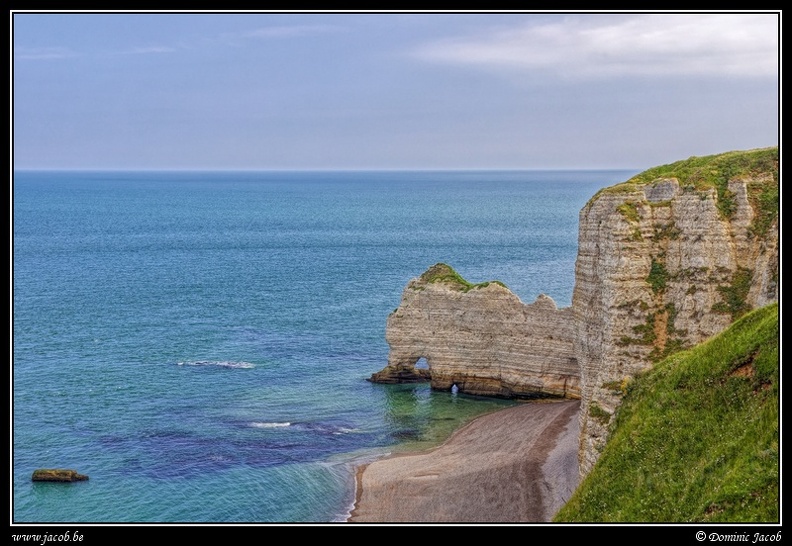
x=57 y=475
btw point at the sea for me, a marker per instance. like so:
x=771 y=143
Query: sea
x=199 y=343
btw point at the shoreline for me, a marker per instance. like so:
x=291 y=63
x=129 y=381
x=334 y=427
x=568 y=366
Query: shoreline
x=518 y=464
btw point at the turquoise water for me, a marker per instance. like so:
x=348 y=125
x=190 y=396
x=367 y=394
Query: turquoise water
x=198 y=343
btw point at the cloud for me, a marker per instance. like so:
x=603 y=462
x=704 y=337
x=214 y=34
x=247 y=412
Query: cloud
x=150 y=49
x=292 y=30
x=286 y=31
x=43 y=53
x=56 y=53
x=604 y=45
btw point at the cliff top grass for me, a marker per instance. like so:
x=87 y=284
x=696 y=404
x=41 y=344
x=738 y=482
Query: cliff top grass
x=696 y=438
x=715 y=172
x=444 y=273
x=708 y=171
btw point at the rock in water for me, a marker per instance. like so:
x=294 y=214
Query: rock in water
x=57 y=475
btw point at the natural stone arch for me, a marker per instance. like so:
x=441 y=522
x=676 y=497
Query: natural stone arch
x=481 y=338
x=405 y=370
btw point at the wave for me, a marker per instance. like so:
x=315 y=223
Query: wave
x=345 y=430
x=269 y=425
x=221 y=363
x=320 y=428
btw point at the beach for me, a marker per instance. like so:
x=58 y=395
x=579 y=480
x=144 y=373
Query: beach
x=514 y=465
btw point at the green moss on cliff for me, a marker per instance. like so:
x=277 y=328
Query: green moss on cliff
x=764 y=200
x=658 y=276
x=715 y=172
x=734 y=294
x=629 y=209
x=444 y=273
x=596 y=412
x=696 y=438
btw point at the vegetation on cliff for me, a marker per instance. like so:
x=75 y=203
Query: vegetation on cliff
x=696 y=438
x=715 y=172
x=444 y=273
x=710 y=171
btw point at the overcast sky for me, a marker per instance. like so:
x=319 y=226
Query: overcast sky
x=390 y=91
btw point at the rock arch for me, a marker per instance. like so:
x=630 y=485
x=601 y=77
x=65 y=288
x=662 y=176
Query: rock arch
x=481 y=338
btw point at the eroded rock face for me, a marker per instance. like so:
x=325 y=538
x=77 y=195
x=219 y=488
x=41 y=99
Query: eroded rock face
x=481 y=338
x=660 y=268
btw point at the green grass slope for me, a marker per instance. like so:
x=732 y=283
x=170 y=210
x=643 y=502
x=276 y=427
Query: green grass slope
x=696 y=438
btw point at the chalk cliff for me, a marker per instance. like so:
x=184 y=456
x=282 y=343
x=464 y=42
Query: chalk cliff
x=481 y=338
x=666 y=260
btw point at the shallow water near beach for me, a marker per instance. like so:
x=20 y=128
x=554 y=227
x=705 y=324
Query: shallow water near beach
x=198 y=342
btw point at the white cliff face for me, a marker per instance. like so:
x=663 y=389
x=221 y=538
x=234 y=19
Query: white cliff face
x=482 y=339
x=659 y=268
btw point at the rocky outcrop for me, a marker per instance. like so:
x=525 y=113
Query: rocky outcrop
x=662 y=265
x=481 y=338
x=57 y=475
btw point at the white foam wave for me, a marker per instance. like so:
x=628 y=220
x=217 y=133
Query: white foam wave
x=345 y=430
x=221 y=363
x=270 y=425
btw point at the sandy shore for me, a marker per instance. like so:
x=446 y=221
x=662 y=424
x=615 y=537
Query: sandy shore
x=514 y=465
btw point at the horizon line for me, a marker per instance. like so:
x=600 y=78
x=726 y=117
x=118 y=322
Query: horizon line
x=315 y=170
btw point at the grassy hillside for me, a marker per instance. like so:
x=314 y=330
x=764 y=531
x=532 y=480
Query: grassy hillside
x=696 y=438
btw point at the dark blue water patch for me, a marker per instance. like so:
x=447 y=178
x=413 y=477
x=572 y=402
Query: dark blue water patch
x=167 y=455
x=170 y=454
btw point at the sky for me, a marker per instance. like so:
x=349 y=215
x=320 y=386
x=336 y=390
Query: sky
x=315 y=91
